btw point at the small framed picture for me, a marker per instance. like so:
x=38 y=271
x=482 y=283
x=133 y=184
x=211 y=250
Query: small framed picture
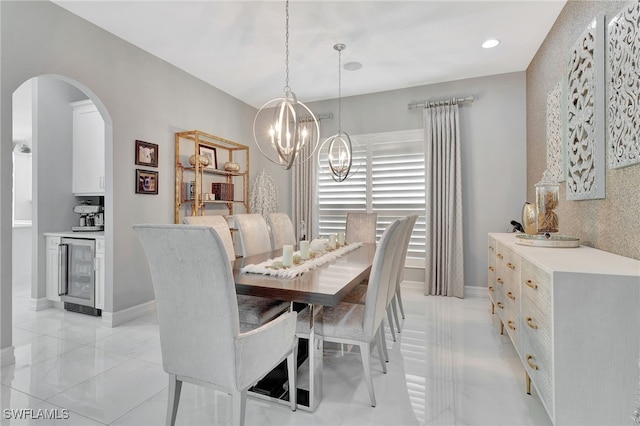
x=146 y=182
x=210 y=152
x=146 y=154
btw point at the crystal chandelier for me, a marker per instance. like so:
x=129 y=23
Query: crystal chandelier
x=339 y=152
x=277 y=128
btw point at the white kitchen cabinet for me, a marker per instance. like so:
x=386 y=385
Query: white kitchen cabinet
x=575 y=324
x=100 y=273
x=52 y=268
x=88 y=150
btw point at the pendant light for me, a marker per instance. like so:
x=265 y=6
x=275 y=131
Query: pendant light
x=339 y=152
x=277 y=128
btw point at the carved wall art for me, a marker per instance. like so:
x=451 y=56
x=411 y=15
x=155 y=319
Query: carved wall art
x=555 y=133
x=624 y=87
x=585 y=115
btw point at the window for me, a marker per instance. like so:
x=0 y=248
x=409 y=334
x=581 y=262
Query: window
x=390 y=182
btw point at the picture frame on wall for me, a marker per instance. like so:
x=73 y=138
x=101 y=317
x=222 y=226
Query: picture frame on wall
x=146 y=182
x=146 y=154
x=210 y=153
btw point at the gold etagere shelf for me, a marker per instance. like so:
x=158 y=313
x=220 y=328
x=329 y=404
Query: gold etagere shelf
x=189 y=144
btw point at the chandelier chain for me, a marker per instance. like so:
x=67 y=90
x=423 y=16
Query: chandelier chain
x=287 y=89
x=340 y=90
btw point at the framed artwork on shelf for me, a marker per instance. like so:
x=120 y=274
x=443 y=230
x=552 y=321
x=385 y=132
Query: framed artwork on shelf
x=210 y=153
x=146 y=182
x=146 y=154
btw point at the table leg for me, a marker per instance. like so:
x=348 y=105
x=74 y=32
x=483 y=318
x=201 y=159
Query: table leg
x=316 y=348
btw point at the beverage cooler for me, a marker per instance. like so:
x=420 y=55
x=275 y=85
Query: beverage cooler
x=76 y=261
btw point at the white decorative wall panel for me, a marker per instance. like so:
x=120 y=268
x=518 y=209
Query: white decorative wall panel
x=624 y=87
x=555 y=148
x=585 y=115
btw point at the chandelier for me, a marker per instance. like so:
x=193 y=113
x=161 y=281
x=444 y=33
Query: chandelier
x=278 y=129
x=339 y=152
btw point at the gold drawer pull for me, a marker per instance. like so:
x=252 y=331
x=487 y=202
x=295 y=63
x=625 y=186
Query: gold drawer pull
x=531 y=284
x=499 y=256
x=511 y=266
x=491 y=248
x=500 y=281
x=531 y=364
x=491 y=268
x=531 y=324
x=500 y=305
x=511 y=296
x=490 y=288
x=511 y=325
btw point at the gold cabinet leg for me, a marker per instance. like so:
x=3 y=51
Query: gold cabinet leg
x=528 y=382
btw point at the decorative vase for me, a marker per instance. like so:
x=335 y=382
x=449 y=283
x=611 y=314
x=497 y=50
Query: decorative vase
x=204 y=161
x=547 y=197
x=529 y=220
x=231 y=166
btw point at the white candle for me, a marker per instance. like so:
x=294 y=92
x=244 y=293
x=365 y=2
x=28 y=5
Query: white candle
x=332 y=241
x=287 y=255
x=304 y=250
x=341 y=238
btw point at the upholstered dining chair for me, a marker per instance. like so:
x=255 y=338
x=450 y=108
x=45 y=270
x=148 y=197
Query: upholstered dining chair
x=360 y=324
x=254 y=234
x=361 y=227
x=201 y=338
x=281 y=230
x=253 y=309
x=403 y=257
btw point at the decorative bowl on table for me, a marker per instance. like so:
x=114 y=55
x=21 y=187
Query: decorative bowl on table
x=231 y=166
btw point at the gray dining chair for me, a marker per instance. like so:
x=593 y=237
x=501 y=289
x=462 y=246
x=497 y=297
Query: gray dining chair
x=403 y=257
x=201 y=338
x=253 y=309
x=282 y=232
x=361 y=227
x=356 y=324
x=254 y=234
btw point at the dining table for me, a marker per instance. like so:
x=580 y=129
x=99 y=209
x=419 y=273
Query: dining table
x=320 y=287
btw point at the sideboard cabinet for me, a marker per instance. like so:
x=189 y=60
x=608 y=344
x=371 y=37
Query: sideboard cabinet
x=573 y=316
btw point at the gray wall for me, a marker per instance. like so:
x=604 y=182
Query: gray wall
x=493 y=148
x=141 y=97
x=610 y=224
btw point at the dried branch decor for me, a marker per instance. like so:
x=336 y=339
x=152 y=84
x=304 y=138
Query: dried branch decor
x=264 y=195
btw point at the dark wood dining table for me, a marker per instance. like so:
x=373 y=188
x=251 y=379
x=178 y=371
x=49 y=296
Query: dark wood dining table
x=323 y=286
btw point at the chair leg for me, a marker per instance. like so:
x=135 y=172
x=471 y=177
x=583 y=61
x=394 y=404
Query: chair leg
x=292 y=369
x=383 y=345
x=238 y=407
x=399 y=297
x=390 y=319
x=395 y=312
x=175 y=386
x=366 y=365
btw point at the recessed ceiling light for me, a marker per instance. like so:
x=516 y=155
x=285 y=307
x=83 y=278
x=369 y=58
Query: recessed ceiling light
x=490 y=43
x=352 y=66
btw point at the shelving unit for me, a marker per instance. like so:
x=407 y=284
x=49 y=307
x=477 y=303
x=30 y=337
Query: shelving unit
x=187 y=144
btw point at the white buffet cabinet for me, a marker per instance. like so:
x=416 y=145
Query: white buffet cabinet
x=573 y=315
x=52 y=242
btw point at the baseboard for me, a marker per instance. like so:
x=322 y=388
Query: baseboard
x=7 y=356
x=475 y=291
x=114 y=319
x=40 y=304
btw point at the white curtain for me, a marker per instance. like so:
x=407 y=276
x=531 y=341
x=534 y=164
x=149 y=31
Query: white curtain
x=304 y=195
x=444 y=252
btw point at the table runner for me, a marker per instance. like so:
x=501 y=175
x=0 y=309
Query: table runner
x=266 y=267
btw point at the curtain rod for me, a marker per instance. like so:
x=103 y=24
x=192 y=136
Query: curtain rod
x=426 y=104
x=307 y=118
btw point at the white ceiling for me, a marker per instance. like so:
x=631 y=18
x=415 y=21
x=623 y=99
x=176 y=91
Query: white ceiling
x=238 y=46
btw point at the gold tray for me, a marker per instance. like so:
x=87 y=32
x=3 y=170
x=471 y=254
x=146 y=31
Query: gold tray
x=554 y=241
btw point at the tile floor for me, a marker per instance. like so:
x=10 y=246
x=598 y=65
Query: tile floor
x=449 y=366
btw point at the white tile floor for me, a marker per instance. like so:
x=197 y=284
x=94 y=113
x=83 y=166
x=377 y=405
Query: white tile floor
x=450 y=366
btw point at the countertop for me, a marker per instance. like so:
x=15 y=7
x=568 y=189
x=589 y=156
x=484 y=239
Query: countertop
x=80 y=234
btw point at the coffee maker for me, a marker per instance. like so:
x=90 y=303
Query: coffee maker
x=91 y=218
